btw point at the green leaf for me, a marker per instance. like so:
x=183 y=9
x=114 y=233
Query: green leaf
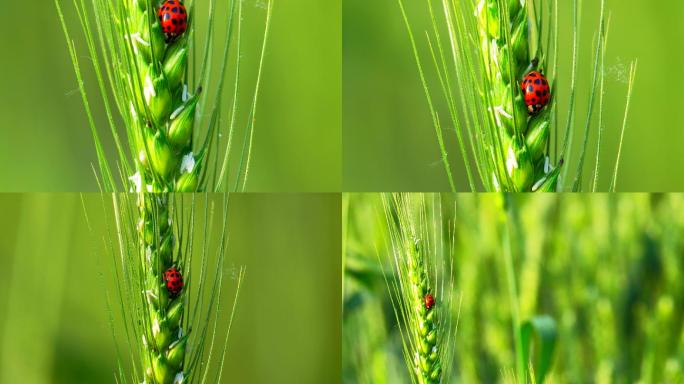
x=540 y=332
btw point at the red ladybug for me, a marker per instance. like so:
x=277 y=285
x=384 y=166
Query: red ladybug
x=174 y=281
x=173 y=18
x=536 y=91
x=429 y=301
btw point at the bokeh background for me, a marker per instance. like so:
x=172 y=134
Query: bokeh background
x=389 y=143
x=45 y=142
x=56 y=274
x=606 y=267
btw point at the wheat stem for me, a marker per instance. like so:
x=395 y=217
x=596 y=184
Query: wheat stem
x=507 y=234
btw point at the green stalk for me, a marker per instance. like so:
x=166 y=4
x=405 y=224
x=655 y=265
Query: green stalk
x=521 y=370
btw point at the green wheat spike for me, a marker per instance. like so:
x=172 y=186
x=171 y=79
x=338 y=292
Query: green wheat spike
x=422 y=288
x=488 y=48
x=169 y=339
x=162 y=98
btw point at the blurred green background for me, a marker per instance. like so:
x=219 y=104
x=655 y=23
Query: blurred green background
x=45 y=142
x=53 y=317
x=608 y=268
x=389 y=143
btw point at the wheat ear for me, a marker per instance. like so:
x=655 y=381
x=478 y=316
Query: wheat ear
x=167 y=94
x=164 y=341
x=482 y=51
x=170 y=335
x=162 y=108
x=521 y=140
x=422 y=290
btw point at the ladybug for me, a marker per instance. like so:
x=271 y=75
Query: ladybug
x=173 y=18
x=536 y=91
x=174 y=281
x=429 y=301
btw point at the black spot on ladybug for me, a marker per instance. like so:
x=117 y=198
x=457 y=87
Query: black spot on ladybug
x=174 y=21
x=530 y=88
x=174 y=10
x=537 y=81
x=534 y=100
x=538 y=93
x=545 y=82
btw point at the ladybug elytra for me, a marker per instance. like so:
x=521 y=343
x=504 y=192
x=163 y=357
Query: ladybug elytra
x=429 y=301
x=174 y=281
x=173 y=18
x=536 y=91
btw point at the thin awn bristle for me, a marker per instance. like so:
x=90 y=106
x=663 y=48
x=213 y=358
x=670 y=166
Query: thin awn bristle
x=630 y=87
x=594 y=86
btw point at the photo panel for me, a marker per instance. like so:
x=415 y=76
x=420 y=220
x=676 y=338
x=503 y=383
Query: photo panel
x=512 y=288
